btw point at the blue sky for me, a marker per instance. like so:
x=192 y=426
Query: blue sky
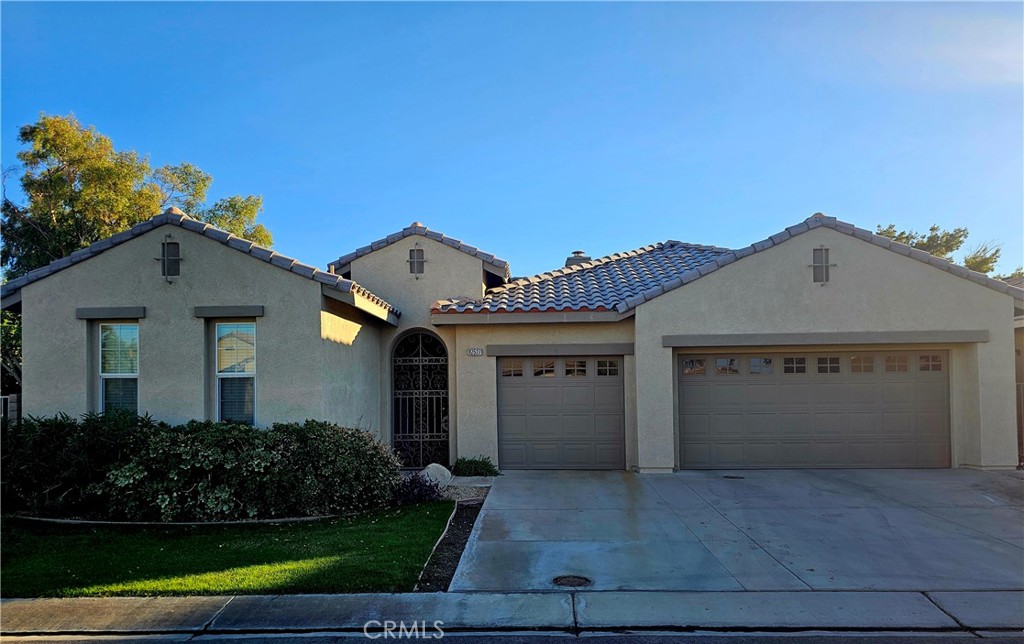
x=531 y=130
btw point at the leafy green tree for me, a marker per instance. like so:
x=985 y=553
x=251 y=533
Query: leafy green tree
x=81 y=189
x=1016 y=273
x=943 y=243
x=10 y=356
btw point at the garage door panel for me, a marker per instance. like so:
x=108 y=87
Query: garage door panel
x=795 y=424
x=695 y=395
x=543 y=397
x=829 y=424
x=609 y=427
x=764 y=454
x=793 y=394
x=698 y=426
x=515 y=398
x=514 y=426
x=898 y=393
x=608 y=455
x=864 y=423
x=898 y=423
x=830 y=453
x=578 y=396
x=544 y=455
x=608 y=397
x=513 y=455
x=728 y=425
x=696 y=454
x=933 y=425
x=727 y=454
x=727 y=393
x=577 y=454
x=860 y=393
x=761 y=425
x=929 y=452
x=760 y=394
x=577 y=426
x=562 y=413
x=930 y=394
x=861 y=409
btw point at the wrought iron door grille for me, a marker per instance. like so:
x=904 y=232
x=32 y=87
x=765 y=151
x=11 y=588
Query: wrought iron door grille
x=420 y=415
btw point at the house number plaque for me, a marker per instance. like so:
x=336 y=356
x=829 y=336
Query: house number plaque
x=474 y=351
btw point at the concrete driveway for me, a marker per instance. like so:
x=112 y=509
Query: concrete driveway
x=763 y=530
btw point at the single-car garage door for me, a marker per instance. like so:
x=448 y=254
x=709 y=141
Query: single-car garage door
x=822 y=409
x=561 y=413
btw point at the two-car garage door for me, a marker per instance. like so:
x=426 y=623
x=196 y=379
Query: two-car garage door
x=561 y=413
x=823 y=409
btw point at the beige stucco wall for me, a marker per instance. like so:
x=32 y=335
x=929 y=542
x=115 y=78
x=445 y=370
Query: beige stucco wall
x=871 y=289
x=174 y=375
x=447 y=273
x=477 y=378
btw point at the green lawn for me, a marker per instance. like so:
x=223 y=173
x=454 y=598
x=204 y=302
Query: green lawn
x=380 y=553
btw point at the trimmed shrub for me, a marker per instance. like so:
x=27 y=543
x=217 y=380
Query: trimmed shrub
x=119 y=466
x=417 y=488
x=50 y=464
x=479 y=466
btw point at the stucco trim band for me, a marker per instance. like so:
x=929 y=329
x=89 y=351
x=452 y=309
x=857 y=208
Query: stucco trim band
x=528 y=317
x=800 y=339
x=111 y=313
x=605 y=349
x=255 y=311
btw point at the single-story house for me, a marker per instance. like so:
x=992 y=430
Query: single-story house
x=822 y=346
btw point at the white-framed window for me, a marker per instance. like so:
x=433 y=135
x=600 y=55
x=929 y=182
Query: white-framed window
x=236 y=371
x=119 y=366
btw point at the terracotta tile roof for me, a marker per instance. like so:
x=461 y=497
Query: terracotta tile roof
x=624 y=281
x=494 y=265
x=614 y=283
x=175 y=217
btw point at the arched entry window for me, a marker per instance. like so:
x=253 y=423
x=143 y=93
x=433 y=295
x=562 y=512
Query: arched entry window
x=419 y=408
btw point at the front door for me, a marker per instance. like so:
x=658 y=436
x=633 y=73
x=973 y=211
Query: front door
x=419 y=410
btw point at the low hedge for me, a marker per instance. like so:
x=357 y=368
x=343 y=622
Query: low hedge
x=479 y=466
x=120 y=466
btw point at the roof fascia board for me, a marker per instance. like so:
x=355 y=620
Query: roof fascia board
x=529 y=317
x=361 y=303
x=597 y=349
x=805 y=339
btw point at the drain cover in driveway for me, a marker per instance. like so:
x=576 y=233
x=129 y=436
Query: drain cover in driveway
x=733 y=477
x=572 y=580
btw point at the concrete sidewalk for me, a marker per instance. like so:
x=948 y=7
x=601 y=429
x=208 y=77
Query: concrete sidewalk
x=994 y=612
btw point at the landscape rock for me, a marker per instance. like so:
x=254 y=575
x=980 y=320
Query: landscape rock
x=438 y=474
